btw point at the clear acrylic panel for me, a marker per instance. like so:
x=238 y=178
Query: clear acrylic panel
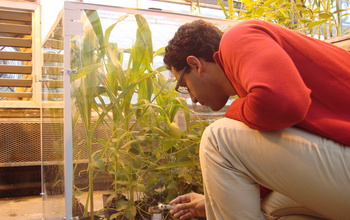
x=124 y=141
x=52 y=124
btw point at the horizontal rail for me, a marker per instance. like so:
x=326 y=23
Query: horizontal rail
x=16 y=42
x=16 y=94
x=16 y=82
x=9 y=55
x=15 y=29
x=17 y=69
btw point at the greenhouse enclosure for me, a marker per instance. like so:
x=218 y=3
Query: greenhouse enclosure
x=119 y=112
x=90 y=122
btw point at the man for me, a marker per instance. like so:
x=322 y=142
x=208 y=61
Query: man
x=289 y=130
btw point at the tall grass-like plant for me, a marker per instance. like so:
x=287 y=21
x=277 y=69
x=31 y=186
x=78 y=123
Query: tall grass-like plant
x=85 y=86
x=317 y=18
x=144 y=150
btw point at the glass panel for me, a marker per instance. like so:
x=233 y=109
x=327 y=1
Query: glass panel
x=52 y=124
x=135 y=141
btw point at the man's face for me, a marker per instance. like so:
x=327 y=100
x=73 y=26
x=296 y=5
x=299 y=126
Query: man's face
x=202 y=87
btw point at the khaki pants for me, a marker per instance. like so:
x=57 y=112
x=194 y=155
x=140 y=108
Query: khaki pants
x=309 y=174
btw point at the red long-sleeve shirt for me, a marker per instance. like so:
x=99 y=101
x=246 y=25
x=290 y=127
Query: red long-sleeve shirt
x=284 y=78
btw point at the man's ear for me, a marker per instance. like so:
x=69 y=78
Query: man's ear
x=194 y=62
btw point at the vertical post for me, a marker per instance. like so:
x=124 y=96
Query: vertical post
x=71 y=14
x=67 y=127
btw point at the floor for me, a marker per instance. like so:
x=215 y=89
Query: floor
x=31 y=208
x=21 y=208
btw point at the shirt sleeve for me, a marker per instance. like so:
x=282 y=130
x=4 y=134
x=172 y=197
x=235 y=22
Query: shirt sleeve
x=272 y=93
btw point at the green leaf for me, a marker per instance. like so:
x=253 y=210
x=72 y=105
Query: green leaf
x=341 y=10
x=258 y=12
x=110 y=28
x=99 y=164
x=159 y=51
x=176 y=165
x=145 y=31
x=316 y=23
x=186 y=176
x=128 y=145
x=111 y=197
x=130 y=212
x=325 y=15
x=85 y=71
x=140 y=187
x=116 y=215
x=168 y=144
x=145 y=89
x=269 y=2
x=161 y=132
x=121 y=182
x=122 y=205
x=96 y=25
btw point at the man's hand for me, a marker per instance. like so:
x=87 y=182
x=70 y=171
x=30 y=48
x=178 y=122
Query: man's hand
x=188 y=206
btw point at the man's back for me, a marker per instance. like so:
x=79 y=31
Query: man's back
x=287 y=79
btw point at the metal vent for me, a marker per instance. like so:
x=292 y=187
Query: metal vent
x=19 y=142
x=80 y=151
x=52 y=142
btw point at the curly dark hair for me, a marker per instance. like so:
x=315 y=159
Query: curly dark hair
x=198 y=38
